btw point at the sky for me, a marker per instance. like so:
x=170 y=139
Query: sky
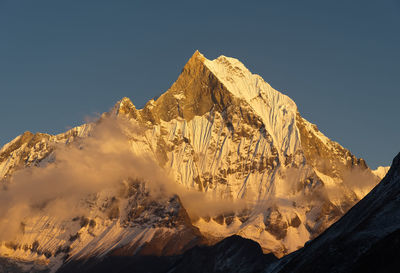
x=64 y=61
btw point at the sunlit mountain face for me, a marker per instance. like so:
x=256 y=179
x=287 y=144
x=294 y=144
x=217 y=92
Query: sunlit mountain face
x=221 y=153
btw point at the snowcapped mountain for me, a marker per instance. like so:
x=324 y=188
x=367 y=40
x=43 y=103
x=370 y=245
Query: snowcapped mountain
x=236 y=151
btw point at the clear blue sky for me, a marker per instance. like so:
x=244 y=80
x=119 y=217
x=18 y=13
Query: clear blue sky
x=339 y=60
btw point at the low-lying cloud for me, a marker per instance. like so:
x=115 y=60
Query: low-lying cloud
x=100 y=162
x=103 y=161
x=88 y=166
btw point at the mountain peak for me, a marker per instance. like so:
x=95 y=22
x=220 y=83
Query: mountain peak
x=197 y=54
x=125 y=107
x=225 y=85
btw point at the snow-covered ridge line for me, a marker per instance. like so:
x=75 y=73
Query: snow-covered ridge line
x=277 y=111
x=29 y=148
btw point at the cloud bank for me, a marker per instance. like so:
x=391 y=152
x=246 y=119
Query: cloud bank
x=100 y=162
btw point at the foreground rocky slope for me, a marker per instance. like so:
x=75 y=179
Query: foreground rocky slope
x=238 y=153
x=233 y=254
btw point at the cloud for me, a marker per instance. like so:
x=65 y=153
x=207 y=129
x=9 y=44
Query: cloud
x=99 y=162
x=102 y=161
x=90 y=165
x=360 y=180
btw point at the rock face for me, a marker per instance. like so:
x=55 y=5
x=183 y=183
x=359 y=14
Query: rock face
x=220 y=130
x=233 y=254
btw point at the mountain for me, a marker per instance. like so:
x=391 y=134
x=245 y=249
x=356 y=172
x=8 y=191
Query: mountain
x=219 y=153
x=220 y=129
x=365 y=239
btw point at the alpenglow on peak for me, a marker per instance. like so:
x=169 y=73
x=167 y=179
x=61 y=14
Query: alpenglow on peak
x=259 y=168
x=224 y=84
